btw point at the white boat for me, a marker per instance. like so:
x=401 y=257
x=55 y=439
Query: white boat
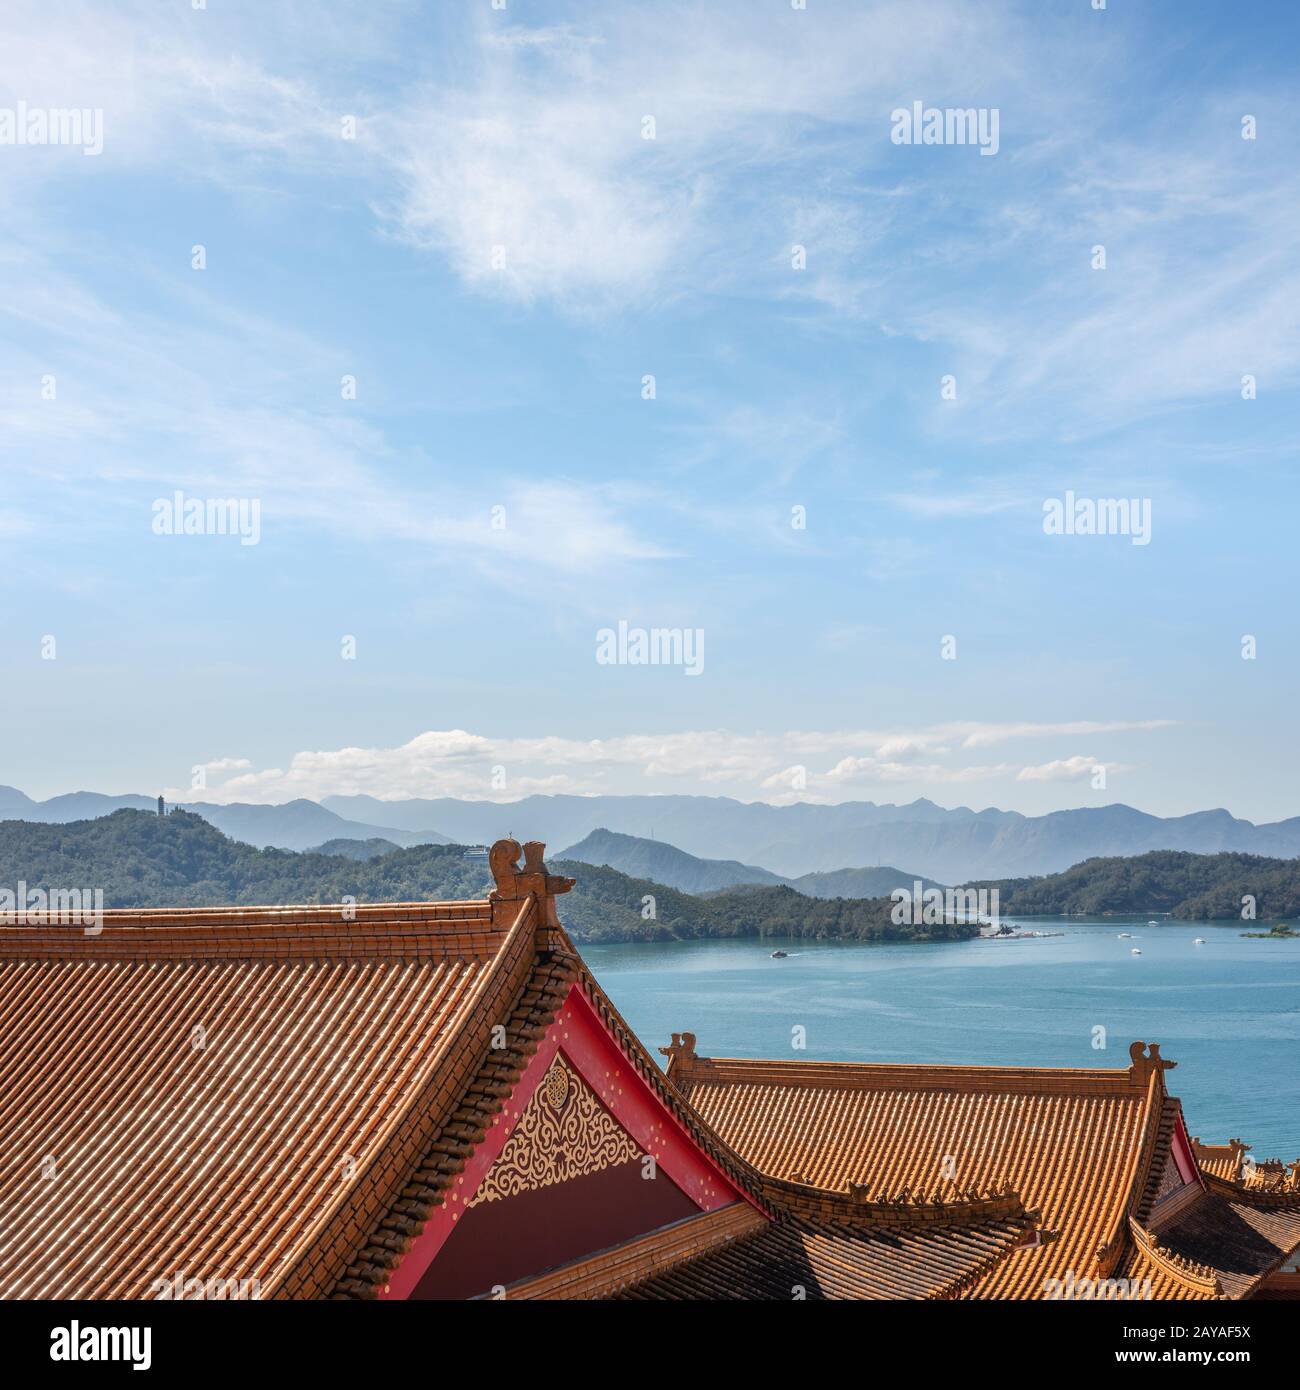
x=1153 y=923
x=1135 y=952
x=1125 y=936
x=1199 y=941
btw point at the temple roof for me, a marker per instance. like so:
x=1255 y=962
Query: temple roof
x=813 y=1260
x=291 y=1095
x=1073 y=1144
x=1235 y=1240
x=222 y=1094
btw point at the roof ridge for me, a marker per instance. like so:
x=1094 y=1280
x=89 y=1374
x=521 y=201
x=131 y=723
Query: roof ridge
x=1201 y=1278
x=1111 y=1249
x=450 y=1146
x=316 y=1263
x=275 y=910
x=1279 y=1197
x=744 y=1174
x=1144 y=1194
x=608 y=1272
x=686 y=1070
x=326 y=932
x=904 y=1209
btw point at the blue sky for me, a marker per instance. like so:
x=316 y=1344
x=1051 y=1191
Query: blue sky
x=519 y=386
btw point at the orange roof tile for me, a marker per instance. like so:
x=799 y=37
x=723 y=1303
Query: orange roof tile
x=812 y=1260
x=1070 y=1143
x=224 y=1095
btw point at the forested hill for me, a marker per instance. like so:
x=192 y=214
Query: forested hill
x=1196 y=887
x=607 y=906
x=140 y=859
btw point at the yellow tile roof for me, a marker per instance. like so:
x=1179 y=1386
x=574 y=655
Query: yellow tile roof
x=1070 y=1143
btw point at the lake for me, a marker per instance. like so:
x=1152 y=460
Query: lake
x=1227 y=1012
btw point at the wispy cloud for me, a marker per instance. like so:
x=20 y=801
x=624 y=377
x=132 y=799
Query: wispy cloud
x=828 y=765
x=541 y=149
x=1073 y=769
x=163 y=418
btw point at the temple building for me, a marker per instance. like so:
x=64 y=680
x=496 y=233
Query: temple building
x=438 y=1101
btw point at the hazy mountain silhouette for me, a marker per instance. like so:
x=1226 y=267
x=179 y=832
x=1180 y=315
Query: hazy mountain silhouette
x=664 y=863
x=296 y=825
x=948 y=845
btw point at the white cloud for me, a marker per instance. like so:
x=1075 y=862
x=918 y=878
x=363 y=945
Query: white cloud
x=987 y=501
x=326 y=470
x=457 y=762
x=770 y=129
x=982 y=735
x=225 y=764
x=537 y=145
x=1067 y=769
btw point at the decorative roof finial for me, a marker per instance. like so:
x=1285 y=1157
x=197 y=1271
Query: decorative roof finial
x=513 y=884
x=682 y=1047
x=680 y=1052
x=1146 y=1059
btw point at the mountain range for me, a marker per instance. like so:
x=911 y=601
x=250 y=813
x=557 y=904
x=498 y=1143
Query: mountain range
x=664 y=863
x=296 y=825
x=948 y=845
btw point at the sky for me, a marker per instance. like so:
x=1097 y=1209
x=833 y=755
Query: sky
x=523 y=333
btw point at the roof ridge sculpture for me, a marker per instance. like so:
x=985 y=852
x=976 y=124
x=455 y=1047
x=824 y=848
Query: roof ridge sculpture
x=514 y=883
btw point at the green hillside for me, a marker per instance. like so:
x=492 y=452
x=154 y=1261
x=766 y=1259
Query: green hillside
x=607 y=906
x=1195 y=887
x=142 y=860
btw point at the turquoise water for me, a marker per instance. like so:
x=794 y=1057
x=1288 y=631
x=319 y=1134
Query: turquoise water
x=1227 y=1012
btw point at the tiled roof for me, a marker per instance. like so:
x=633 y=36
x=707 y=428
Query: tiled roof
x=1221 y=1246
x=947 y=1243
x=609 y=1272
x=274 y=1096
x=1221 y=1160
x=1239 y=1239
x=229 y=1095
x=290 y=1096
x=1070 y=1143
x=448 y=1148
x=814 y=1260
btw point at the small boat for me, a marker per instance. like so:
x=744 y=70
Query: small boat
x=1199 y=941
x=1135 y=952
x=779 y=955
x=1125 y=936
x=1153 y=923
